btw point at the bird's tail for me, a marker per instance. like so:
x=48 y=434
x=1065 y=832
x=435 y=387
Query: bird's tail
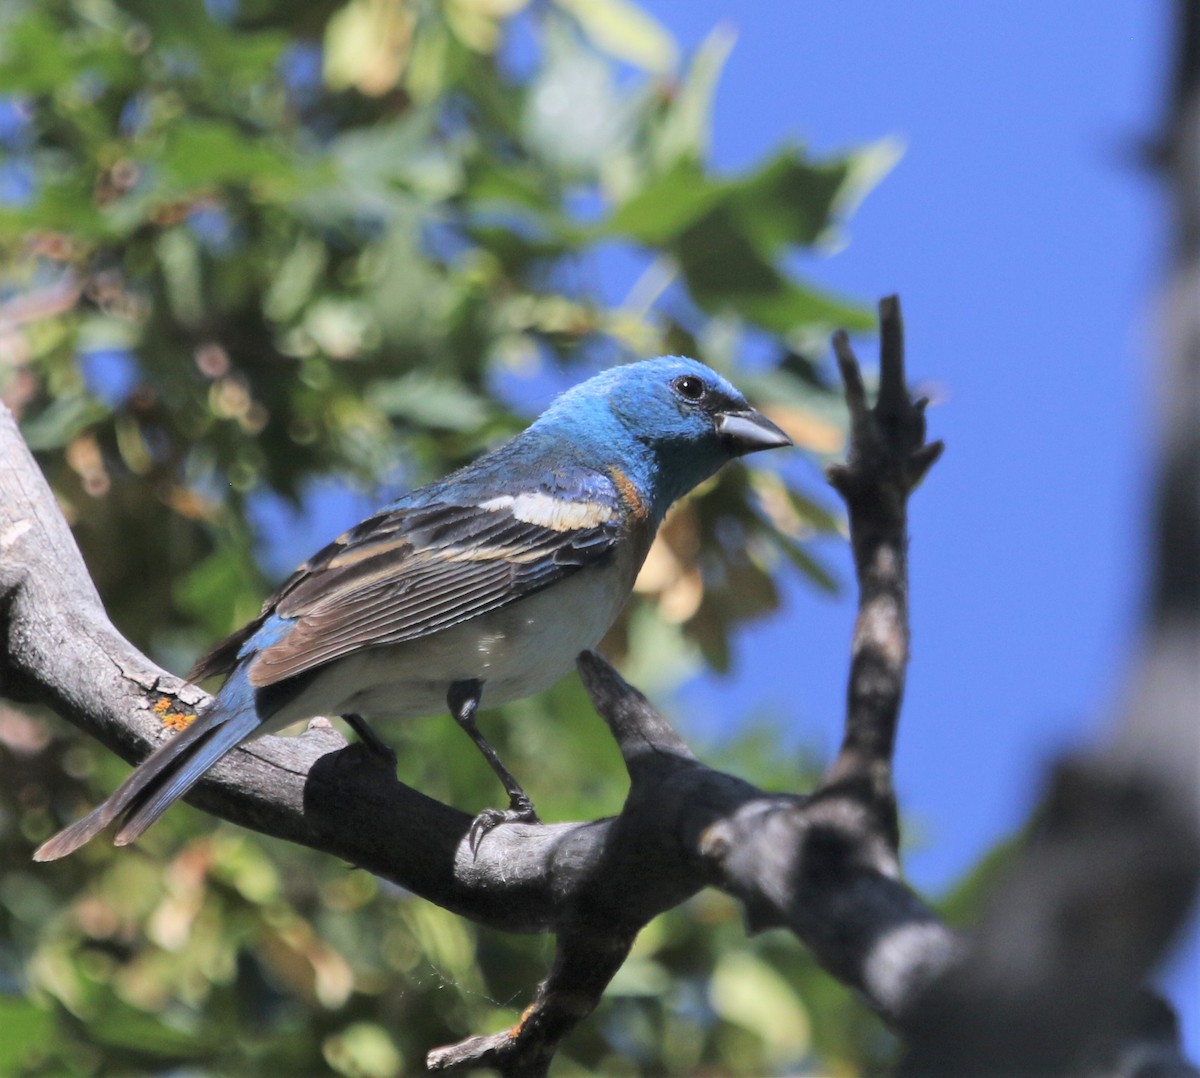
x=165 y=775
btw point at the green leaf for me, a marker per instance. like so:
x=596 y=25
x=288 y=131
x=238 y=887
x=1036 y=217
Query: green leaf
x=237 y=55
x=296 y=279
x=200 y=153
x=123 y=1026
x=745 y=990
x=789 y=202
x=625 y=31
x=724 y=270
x=363 y=1050
x=64 y=203
x=574 y=118
x=431 y=400
x=813 y=569
x=686 y=130
x=667 y=206
x=964 y=903
x=65 y=417
x=24 y=1028
x=224 y=590
x=728 y=236
x=179 y=259
x=660 y=656
x=384 y=171
x=817 y=516
x=490 y=180
x=868 y=166
x=35 y=57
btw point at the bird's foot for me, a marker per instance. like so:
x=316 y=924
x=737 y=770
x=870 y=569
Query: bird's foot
x=520 y=811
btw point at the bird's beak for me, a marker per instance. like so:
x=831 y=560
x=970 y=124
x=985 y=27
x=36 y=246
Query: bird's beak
x=748 y=432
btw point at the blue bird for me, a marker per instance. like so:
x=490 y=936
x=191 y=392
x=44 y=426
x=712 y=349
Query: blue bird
x=495 y=577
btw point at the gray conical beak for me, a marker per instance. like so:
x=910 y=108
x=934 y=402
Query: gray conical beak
x=749 y=431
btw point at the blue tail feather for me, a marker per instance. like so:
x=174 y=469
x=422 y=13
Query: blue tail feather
x=229 y=732
x=165 y=775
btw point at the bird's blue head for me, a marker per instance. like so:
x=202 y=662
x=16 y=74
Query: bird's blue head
x=672 y=420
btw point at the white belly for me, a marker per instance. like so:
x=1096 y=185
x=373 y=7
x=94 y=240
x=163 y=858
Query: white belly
x=515 y=651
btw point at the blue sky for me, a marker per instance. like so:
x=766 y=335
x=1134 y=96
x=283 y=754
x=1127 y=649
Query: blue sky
x=1026 y=244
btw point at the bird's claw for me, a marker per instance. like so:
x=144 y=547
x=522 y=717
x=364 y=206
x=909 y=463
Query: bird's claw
x=489 y=819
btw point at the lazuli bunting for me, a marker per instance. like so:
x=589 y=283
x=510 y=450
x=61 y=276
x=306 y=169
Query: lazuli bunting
x=493 y=578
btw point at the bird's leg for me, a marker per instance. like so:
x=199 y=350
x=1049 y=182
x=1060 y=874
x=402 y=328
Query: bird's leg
x=463 y=701
x=371 y=741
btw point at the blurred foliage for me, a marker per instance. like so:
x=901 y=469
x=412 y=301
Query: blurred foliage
x=247 y=245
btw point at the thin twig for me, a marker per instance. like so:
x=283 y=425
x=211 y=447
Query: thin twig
x=887 y=459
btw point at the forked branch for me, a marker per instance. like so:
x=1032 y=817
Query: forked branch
x=822 y=865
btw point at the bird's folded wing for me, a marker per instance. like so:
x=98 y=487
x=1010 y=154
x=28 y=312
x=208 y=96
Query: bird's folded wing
x=414 y=571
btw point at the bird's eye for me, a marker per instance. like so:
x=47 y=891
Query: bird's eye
x=689 y=387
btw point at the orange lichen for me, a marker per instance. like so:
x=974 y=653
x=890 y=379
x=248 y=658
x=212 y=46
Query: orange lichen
x=526 y=1014
x=172 y=720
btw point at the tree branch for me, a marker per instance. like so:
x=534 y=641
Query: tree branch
x=888 y=458
x=823 y=866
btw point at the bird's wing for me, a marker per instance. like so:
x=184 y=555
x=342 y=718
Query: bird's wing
x=417 y=570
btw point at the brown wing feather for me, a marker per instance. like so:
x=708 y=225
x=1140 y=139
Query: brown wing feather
x=388 y=612
x=221 y=658
x=410 y=572
x=415 y=575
